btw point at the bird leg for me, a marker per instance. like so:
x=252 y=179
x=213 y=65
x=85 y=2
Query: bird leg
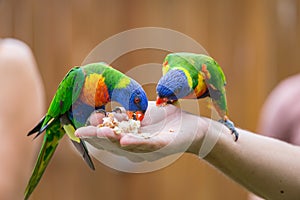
x=229 y=124
x=100 y=110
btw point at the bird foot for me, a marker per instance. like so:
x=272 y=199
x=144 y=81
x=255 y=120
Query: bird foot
x=229 y=124
x=100 y=110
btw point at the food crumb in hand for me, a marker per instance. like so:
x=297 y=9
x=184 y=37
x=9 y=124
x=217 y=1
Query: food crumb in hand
x=129 y=126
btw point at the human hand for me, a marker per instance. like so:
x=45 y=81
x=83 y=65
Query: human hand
x=164 y=131
x=169 y=128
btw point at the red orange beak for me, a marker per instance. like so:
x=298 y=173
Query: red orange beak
x=138 y=115
x=161 y=101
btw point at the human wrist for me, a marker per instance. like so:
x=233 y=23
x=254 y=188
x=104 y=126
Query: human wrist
x=207 y=138
x=202 y=128
x=224 y=144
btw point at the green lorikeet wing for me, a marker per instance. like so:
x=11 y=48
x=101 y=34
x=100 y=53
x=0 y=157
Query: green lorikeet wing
x=67 y=93
x=53 y=134
x=56 y=123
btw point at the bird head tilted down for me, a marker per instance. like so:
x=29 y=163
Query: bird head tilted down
x=172 y=87
x=133 y=98
x=188 y=75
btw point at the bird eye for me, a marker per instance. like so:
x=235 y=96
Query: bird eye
x=137 y=100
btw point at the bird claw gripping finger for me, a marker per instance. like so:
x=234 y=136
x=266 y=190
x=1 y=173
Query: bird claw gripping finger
x=100 y=110
x=229 y=124
x=117 y=110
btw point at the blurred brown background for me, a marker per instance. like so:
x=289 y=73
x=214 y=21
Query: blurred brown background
x=255 y=41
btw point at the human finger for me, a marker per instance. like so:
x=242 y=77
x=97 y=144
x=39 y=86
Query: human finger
x=92 y=131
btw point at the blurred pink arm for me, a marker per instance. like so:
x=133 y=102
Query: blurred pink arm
x=21 y=106
x=281 y=112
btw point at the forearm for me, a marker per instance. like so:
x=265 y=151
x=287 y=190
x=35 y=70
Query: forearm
x=265 y=166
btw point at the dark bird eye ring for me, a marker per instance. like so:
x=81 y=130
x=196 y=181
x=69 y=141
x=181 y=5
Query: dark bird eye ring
x=137 y=100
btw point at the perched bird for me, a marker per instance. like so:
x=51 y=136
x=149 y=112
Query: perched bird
x=83 y=90
x=189 y=75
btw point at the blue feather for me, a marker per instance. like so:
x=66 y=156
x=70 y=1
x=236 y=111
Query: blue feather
x=174 y=85
x=125 y=96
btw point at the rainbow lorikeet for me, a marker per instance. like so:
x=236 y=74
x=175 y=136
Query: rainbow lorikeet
x=190 y=75
x=83 y=90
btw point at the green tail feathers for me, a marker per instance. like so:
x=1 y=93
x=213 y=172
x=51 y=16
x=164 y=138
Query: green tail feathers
x=51 y=140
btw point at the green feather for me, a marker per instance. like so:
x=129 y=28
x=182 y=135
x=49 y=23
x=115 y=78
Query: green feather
x=67 y=93
x=97 y=68
x=112 y=76
x=57 y=120
x=193 y=63
x=53 y=134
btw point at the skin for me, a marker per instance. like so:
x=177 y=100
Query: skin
x=277 y=105
x=245 y=161
x=280 y=107
x=21 y=88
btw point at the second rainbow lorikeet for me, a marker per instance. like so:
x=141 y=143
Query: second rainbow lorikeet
x=190 y=75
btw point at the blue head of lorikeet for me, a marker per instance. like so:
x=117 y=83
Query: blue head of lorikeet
x=133 y=99
x=172 y=87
